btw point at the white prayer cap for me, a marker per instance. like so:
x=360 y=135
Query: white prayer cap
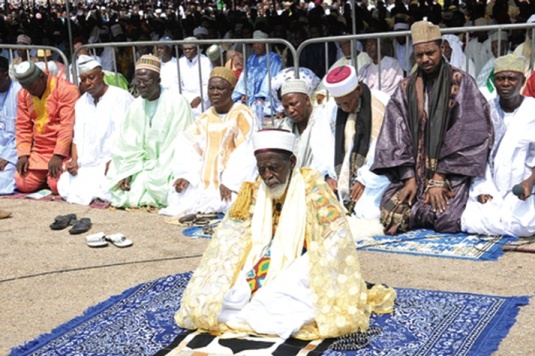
x=259 y=35
x=86 y=63
x=341 y=81
x=531 y=19
x=400 y=26
x=273 y=139
x=499 y=36
x=294 y=86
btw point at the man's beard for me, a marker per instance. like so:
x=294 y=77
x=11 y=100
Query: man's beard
x=278 y=191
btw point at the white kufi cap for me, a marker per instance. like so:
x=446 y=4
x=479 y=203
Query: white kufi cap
x=273 y=139
x=294 y=86
x=86 y=63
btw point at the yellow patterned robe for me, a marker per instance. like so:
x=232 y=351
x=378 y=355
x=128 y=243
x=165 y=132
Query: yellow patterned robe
x=342 y=304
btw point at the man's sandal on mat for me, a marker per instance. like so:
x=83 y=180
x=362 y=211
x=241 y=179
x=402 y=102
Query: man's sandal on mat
x=96 y=240
x=119 y=240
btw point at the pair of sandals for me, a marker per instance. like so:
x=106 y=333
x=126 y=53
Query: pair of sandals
x=78 y=226
x=101 y=240
x=199 y=219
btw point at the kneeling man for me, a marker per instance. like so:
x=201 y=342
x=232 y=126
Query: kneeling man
x=503 y=203
x=283 y=261
x=99 y=113
x=215 y=156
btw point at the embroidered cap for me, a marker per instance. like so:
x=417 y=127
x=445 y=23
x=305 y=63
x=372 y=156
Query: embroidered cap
x=213 y=52
x=149 y=62
x=341 y=81
x=510 y=63
x=273 y=139
x=86 y=63
x=27 y=72
x=294 y=86
x=224 y=73
x=423 y=31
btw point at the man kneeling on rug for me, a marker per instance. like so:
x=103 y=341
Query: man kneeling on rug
x=283 y=261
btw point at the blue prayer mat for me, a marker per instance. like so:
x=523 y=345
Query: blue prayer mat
x=140 y=322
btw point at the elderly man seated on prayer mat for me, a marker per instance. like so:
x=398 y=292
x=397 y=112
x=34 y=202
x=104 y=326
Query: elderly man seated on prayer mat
x=283 y=261
x=503 y=202
x=44 y=127
x=435 y=139
x=99 y=114
x=141 y=167
x=9 y=90
x=214 y=156
x=314 y=140
x=356 y=113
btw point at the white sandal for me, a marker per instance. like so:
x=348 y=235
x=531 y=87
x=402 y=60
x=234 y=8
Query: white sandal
x=119 y=240
x=96 y=240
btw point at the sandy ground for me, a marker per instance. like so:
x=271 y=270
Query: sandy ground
x=49 y=277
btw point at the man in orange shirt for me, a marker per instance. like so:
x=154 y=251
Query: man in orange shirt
x=44 y=127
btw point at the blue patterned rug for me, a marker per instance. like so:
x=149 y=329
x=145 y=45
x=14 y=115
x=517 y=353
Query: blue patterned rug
x=140 y=322
x=430 y=243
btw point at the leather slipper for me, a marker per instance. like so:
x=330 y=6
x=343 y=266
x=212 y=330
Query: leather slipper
x=80 y=226
x=119 y=240
x=62 y=221
x=96 y=240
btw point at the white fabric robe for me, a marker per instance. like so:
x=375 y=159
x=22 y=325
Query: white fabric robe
x=511 y=161
x=391 y=75
x=208 y=158
x=314 y=147
x=190 y=83
x=96 y=128
x=169 y=74
x=8 y=151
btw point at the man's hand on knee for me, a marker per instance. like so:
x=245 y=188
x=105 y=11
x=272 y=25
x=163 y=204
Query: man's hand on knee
x=22 y=165
x=54 y=166
x=408 y=192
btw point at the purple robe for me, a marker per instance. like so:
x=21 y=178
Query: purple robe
x=462 y=156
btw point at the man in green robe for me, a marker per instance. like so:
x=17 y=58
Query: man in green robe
x=140 y=169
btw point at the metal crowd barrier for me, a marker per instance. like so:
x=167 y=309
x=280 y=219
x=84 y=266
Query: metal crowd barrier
x=407 y=34
x=176 y=44
x=29 y=48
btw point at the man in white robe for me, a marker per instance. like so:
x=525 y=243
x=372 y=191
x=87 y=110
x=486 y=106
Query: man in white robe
x=357 y=115
x=99 y=113
x=314 y=146
x=503 y=203
x=9 y=90
x=283 y=261
x=391 y=72
x=214 y=156
x=169 y=69
x=141 y=167
x=195 y=71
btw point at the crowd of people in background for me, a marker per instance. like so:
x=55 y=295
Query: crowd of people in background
x=235 y=88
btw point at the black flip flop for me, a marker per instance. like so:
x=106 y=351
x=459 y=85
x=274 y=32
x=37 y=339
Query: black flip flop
x=62 y=221
x=80 y=226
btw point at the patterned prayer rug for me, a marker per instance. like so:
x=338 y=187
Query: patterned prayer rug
x=140 y=322
x=430 y=243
